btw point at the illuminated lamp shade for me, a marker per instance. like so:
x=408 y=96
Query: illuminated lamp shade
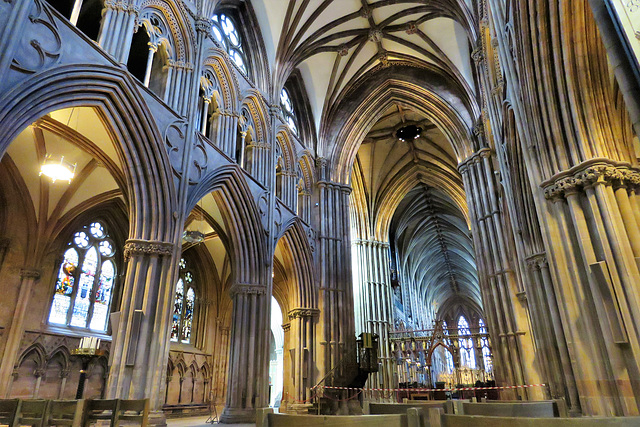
x=193 y=236
x=57 y=169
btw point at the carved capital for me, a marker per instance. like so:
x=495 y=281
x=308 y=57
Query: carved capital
x=147 y=247
x=203 y=25
x=589 y=174
x=477 y=54
x=247 y=289
x=30 y=273
x=303 y=312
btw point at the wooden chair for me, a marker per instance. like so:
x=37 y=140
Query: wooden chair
x=33 y=412
x=100 y=410
x=135 y=411
x=9 y=412
x=65 y=413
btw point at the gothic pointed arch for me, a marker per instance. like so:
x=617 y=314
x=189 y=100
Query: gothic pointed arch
x=113 y=93
x=176 y=27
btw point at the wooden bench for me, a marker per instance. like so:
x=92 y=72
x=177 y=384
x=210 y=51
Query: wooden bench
x=65 y=413
x=186 y=410
x=33 y=412
x=266 y=418
x=116 y=411
x=531 y=409
x=9 y=412
x=437 y=418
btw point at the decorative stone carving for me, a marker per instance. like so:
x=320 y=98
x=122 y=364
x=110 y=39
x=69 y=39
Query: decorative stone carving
x=43 y=46
x=29 y=273
x=343 y=50
x=247 y=288
x=303 y=312
x=147 y=247
x=588 y=174
x=175 y=140
x=375 y=35
x=413 y=28
x=199 y=161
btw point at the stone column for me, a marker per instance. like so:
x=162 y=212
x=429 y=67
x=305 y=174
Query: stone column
x=248 y=384
x=506 y=317
x=593 y=247
x=28 y=277
x=337 y=329
x=301 y=332
x=141 y=329
x=373 y=302
x=117 y=28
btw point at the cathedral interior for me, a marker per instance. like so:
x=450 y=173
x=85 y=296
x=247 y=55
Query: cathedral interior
x=231 y=201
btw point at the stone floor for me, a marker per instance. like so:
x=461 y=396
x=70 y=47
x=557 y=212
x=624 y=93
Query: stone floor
x=198 y=422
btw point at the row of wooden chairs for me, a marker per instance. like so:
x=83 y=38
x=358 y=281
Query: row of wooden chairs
x=73 y=413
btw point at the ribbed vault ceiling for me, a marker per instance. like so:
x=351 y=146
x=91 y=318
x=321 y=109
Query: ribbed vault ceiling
x=411 y=193
x=335 y=42
x=434 y=249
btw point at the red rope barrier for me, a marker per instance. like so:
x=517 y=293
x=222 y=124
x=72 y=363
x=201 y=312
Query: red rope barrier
x=434 y=389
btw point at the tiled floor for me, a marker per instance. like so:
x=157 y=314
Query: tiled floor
x=198 y=422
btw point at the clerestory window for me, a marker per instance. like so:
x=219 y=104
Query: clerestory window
x=226 y=33
x=86 y=276
x=287 y=110
x=467 y=356
x=183 y=306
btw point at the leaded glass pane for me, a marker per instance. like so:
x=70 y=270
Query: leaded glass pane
x=188 y=315
x=85 y=285
x=286 y=102
x=225 y=32
x=217 y=34
x=103 y=297
x=467 y=357
x=64 y=287
x=183 y=263
x=106 y=248
x=97 y=230
x=81 y=239
x=486 y=351
x=177 y=311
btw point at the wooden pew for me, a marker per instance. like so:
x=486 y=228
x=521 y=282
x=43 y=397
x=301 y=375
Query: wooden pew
x=266 y=418
x=65 y=413
x=33 y=412
x=136 y=411
x=540 y=409
x=9 y=412
x=437 y=418
x=116 y=411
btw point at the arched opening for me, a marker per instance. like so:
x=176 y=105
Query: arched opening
x=139 y=54
x=80 y=223
x=276 y=361
x=84 y=14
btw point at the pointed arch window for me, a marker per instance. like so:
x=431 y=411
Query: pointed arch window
x=86 y=276
x=287 y=109
x=486 y=349
x=447 y=354
x=226 y=33
x=183 y=306
x=467 y=356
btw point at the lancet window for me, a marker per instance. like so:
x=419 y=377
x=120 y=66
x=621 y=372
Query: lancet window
x=82 y=296
x=287 y=109
x=226 y=33
x=447 y=354
x=486 y=350
x=467 y=356
x=183 y=306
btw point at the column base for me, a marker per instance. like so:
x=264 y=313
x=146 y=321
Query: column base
x=157 y=418
x=238 y=416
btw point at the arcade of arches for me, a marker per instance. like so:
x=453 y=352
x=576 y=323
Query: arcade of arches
x=227 y=193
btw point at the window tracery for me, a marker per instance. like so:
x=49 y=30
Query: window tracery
x=225 y=32
x=183 y=306
x=486 y=350
x=287 y=109
x=467 y=356
x=84 y=286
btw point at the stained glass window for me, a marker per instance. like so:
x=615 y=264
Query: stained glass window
x=226 y=33
x=83 y=289
x=287 y=109
x=183 y=306
x=448 y=355
x=467 y=356
x=486 y=350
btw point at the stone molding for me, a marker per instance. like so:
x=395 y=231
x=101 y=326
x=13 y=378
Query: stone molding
x=303 y=312
x=374 y=243
x=247 y=289
x=122 y=6
x=474 y=158
x=588 y=174
x=147 y=247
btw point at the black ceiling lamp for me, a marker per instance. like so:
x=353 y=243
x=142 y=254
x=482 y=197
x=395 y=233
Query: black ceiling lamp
x=408 y=133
